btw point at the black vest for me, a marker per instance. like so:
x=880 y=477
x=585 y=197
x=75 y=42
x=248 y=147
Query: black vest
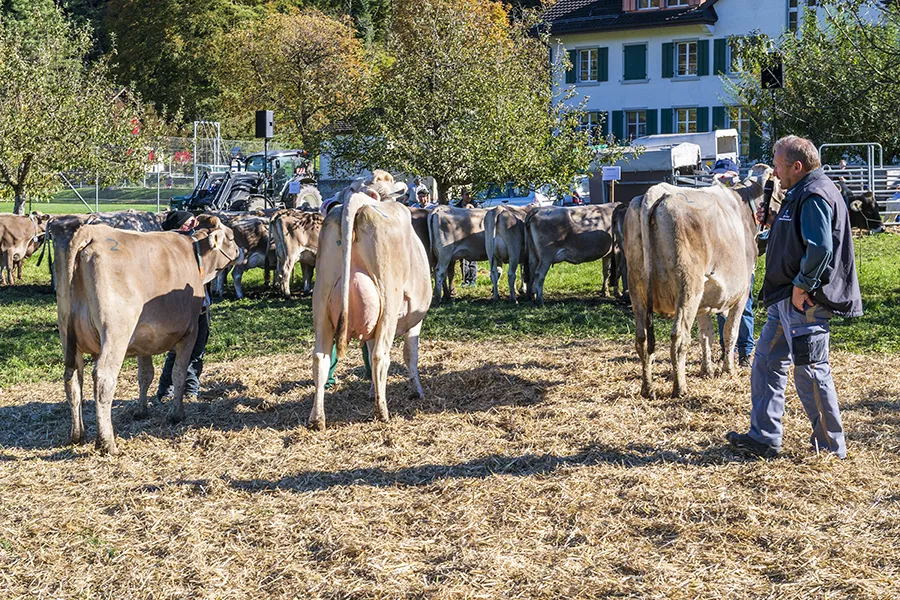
x=839 y=290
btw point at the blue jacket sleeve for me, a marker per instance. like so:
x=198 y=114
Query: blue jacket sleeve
x=815 y=227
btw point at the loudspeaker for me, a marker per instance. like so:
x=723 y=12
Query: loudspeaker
x=773 y=75
x=264 y=124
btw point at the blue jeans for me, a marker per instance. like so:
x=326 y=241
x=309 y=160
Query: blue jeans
x=195 y=368
x=802 y=337
x=744 y=343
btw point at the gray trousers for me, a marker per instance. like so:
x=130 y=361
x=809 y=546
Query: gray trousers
x=802 y=336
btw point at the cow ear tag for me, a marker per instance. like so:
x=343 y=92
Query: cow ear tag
x=213 y=241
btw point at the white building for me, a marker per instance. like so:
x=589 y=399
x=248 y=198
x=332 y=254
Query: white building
x=654 y=66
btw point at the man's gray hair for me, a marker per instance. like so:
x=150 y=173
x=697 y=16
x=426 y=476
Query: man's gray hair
x=796 y=148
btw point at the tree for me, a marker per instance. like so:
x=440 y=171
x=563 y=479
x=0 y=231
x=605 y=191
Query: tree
x=59 y=112
x=840 y=77
x=307 y=67
x=465 y=95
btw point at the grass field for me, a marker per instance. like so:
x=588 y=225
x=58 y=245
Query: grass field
x=532 y=469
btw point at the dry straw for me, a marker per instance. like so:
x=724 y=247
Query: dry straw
x=531 y=470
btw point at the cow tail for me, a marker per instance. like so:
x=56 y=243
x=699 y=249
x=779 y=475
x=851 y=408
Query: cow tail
x=648 y=205
x=529 y=252
x=81 y=240
x=490 y=230
x=348 y=219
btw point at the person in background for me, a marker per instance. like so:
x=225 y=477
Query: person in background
x=726 y=172
x=184 y=223
x=469 y=267
x=810 y=276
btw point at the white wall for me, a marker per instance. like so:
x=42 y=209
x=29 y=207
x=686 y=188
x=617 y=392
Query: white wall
x=736 y=17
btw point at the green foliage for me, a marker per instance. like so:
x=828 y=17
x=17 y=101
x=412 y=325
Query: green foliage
x=59 y=112
x=839 y=78
x=307 y=67
x=465 y=95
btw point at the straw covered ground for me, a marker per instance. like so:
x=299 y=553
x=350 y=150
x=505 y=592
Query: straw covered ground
x=532 y=469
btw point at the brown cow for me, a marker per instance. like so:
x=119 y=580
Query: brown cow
x=455 y=233
x=376 y=288
x=504 y=237
x=295 y=235
x=691 y=252
x=251 y=233
x=20 y=237
x=61 y=228
x=124 y=293
x=575 y=234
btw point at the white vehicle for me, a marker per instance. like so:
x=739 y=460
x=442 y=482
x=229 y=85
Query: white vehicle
x=511 y=195
x=578 y=194
x=714 y=145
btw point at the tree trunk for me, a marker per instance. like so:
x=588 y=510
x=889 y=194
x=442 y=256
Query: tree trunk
x=441 y=192
x=21 y=199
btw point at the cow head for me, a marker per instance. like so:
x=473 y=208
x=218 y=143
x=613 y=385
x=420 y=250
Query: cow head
x=218 y=250
x=863 y=209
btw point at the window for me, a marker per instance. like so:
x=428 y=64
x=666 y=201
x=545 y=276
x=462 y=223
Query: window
x=587 y=65
x=685 y=59
x=793 y=14
x=591 y=122
x=673 y=3
x=647 y=4
x=635 y=62
x=738 y=118
x=635 y=123
x=686 y=120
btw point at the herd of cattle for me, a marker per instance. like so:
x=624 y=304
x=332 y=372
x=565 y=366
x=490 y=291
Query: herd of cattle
x=126 y=288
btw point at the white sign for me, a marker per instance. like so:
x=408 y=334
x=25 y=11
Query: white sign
x=294 y=187
x=612 y=173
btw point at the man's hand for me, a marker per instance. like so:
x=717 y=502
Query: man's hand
x=800 y=299
x=761 y=215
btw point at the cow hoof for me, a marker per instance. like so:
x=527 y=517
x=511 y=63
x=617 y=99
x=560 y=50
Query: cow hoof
x=176 y=416
x=141 y=413
x=77 y=439
x=317 y=425
x=106 y=449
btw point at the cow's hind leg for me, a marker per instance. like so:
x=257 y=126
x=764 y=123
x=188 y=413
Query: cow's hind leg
x=381 y=362
x=286 y=270
x=440 y=283
x=685 y=313
x=411 y=358
x=237 y=275
x=645 y=343
x=321 y=363
x=540 y=274
x=74 y=382
x=307 y=271
x=730 y=334
x=183 y=350
x=145 y=379
x=706 y=328
x=606 y=274
x=511 y=269
x=106 y=374
x=495 y=267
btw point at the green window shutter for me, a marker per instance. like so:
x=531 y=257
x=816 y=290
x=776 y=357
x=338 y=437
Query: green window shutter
x=652 y=122
x=635 y=63
x=618 y=124
x=570 y=72
x=666 y=120
x=604 y=126
x=668 y=60
x=702 y=118
x=718 y=117
x=603 y=66
x=720 y=56
x=702 y=57
x=755 y=141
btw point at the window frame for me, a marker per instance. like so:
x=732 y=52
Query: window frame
x=640 y=122
x=742 y=124
x=676 y=54
x=650 y=5
x=595 y=64
x=677 y=3
x=687 y=121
